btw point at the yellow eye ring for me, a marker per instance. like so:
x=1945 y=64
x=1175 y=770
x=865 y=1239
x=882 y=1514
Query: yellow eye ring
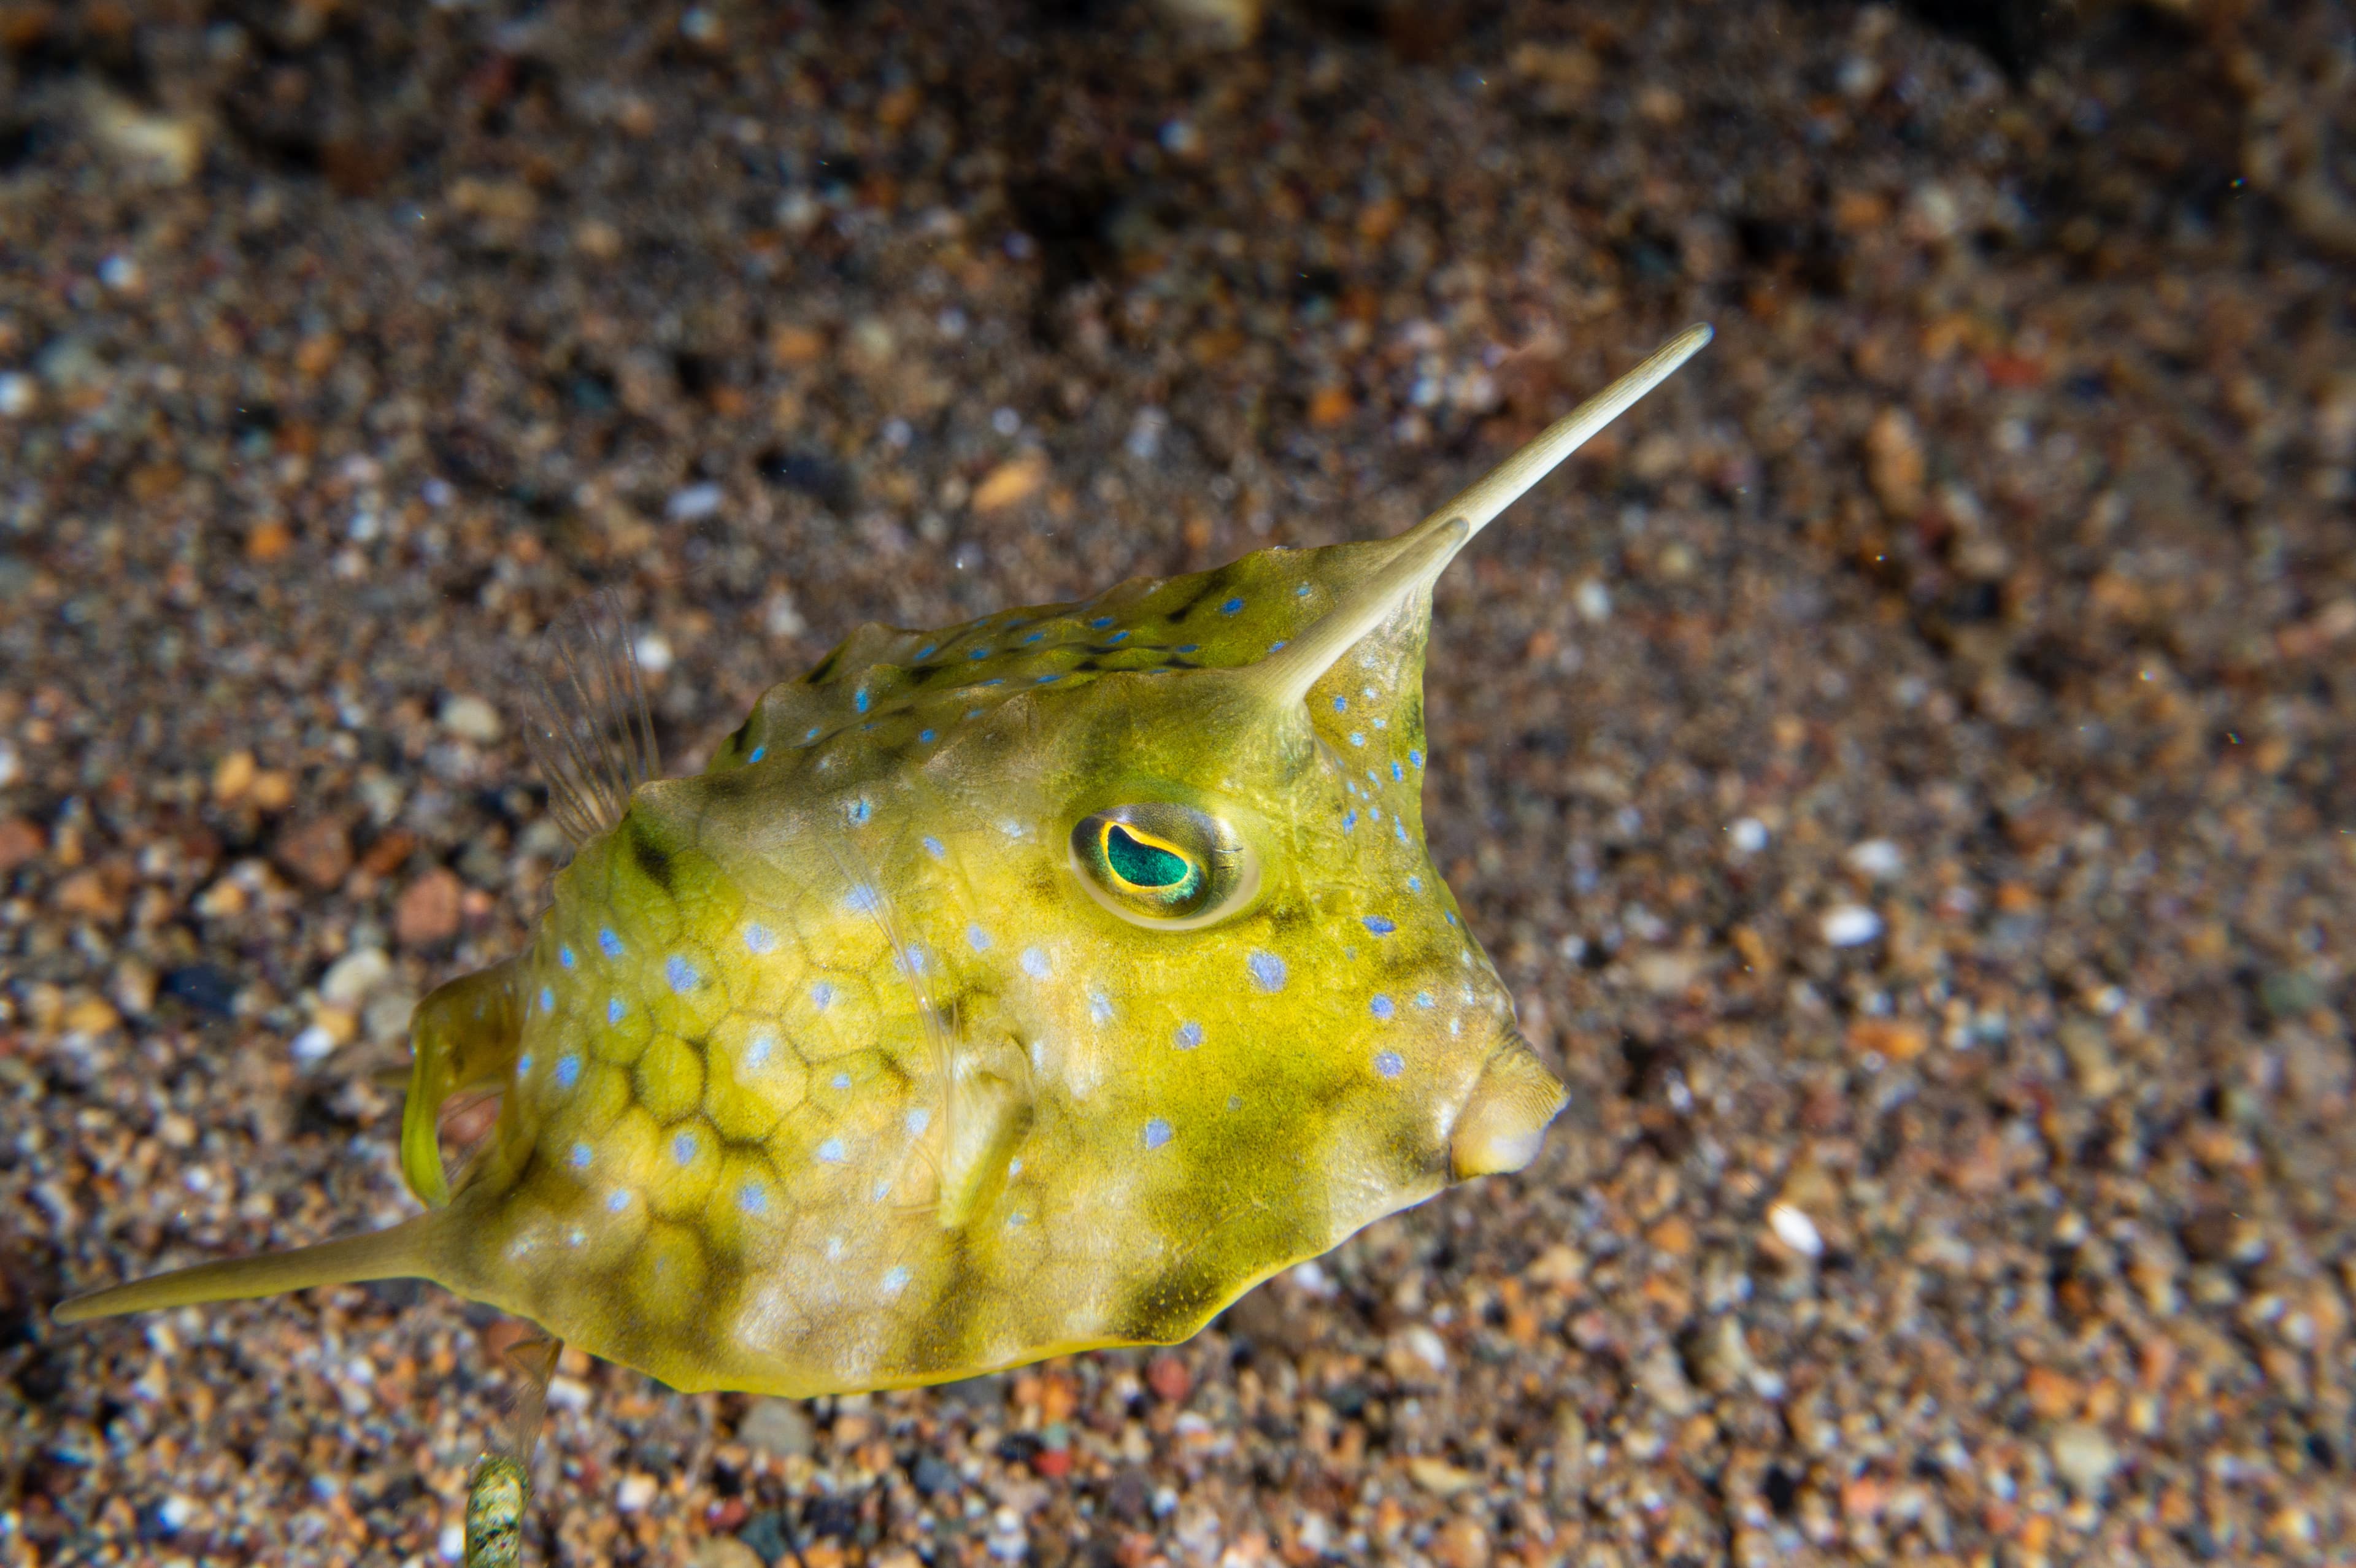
x=1139 y=861
x=1163 y=866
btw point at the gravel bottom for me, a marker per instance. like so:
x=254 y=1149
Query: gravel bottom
x=1901 y=771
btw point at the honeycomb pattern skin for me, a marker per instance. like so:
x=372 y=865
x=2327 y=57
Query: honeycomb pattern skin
x=825 y=1074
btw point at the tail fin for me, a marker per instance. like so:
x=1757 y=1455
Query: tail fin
x=402 y=1252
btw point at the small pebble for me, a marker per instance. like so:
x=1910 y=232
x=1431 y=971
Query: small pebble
x=778 y=1427
x=1877 y=858
x=1850 y=925
x=1795 y=1230
x=470 y=718
x=693 y=504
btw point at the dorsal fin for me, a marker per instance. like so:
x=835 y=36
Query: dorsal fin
x=586 y=718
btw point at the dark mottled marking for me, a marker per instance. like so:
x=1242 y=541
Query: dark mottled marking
x=652 y=858
x=939 y=1340
x=1168 y=1309
x=1211 y=585
x=733 y=784
x=824 y=667
x=1088 y=666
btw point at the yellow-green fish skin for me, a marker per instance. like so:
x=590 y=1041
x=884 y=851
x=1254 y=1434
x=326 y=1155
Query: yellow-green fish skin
x=831 y=1077
x=1037 y=984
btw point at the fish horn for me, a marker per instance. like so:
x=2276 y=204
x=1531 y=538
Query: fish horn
x=1425 y=550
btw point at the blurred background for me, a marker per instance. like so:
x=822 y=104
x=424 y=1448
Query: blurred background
x=1903 y=771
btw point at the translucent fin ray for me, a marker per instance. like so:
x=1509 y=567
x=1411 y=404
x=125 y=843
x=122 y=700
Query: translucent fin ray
x=586 y=718
x=402 y=1252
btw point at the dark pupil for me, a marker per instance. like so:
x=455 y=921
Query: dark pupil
x=1143 y=865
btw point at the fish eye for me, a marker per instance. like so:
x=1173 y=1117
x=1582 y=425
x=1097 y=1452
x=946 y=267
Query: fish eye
x=1165 y=865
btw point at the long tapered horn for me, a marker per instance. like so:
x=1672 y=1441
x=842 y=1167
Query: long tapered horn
x=1425 y=549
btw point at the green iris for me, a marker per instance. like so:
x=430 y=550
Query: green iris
x=1140 y=864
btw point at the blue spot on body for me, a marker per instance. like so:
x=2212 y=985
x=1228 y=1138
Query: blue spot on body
x=809 y=734
x=1357 y=737
x=919 y=1119
x=1032 y=638
x=1267 y=970
x=616 y=1201
x=1189 y=1035
x=565 y=956
x=1381 y=1007
x=831 y=1151
x=1157 y=1132
x=1416 y=758
x=757 y=753
x=861 y=899
x=610 y=943
x=680 y=973
x=1399 y=829
x=568 y=1071
x=1034 y=963
x=1277 y=647
x=752 y=1198
x=547 y=1000
x=682 y=1148
x=1399 y=774
x=979 y=654
x=756 y=1051
x=523 y=1065
x=1349 y=820
x=1049 y=679
x=1190 y=648
x=614 y=1010
x=894 y=1279
x=1100 y=622
x=995 y=680
x=1231 y=607
x=1415 y=884
x=858 y=700
x=925 y=737
x=928 y=650
x=934 y=848
x=1341 y=704
x=860 y=810
x=580 y=1156
x=1301 y=591
x=1119 y=636
x=1424 y=999
x=758 y=938
x=976 y=938
x=822 y=996
x=1380 y=926
x=1389 y=1063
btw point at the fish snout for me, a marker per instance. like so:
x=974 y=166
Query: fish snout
x=1504 y=1119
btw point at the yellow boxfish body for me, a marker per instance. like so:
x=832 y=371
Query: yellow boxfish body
x=996 y=991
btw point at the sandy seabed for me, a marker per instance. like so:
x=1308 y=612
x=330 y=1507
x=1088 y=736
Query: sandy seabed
x=1903 y=772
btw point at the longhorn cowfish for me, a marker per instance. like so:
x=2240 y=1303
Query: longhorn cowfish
x=1027 y=986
